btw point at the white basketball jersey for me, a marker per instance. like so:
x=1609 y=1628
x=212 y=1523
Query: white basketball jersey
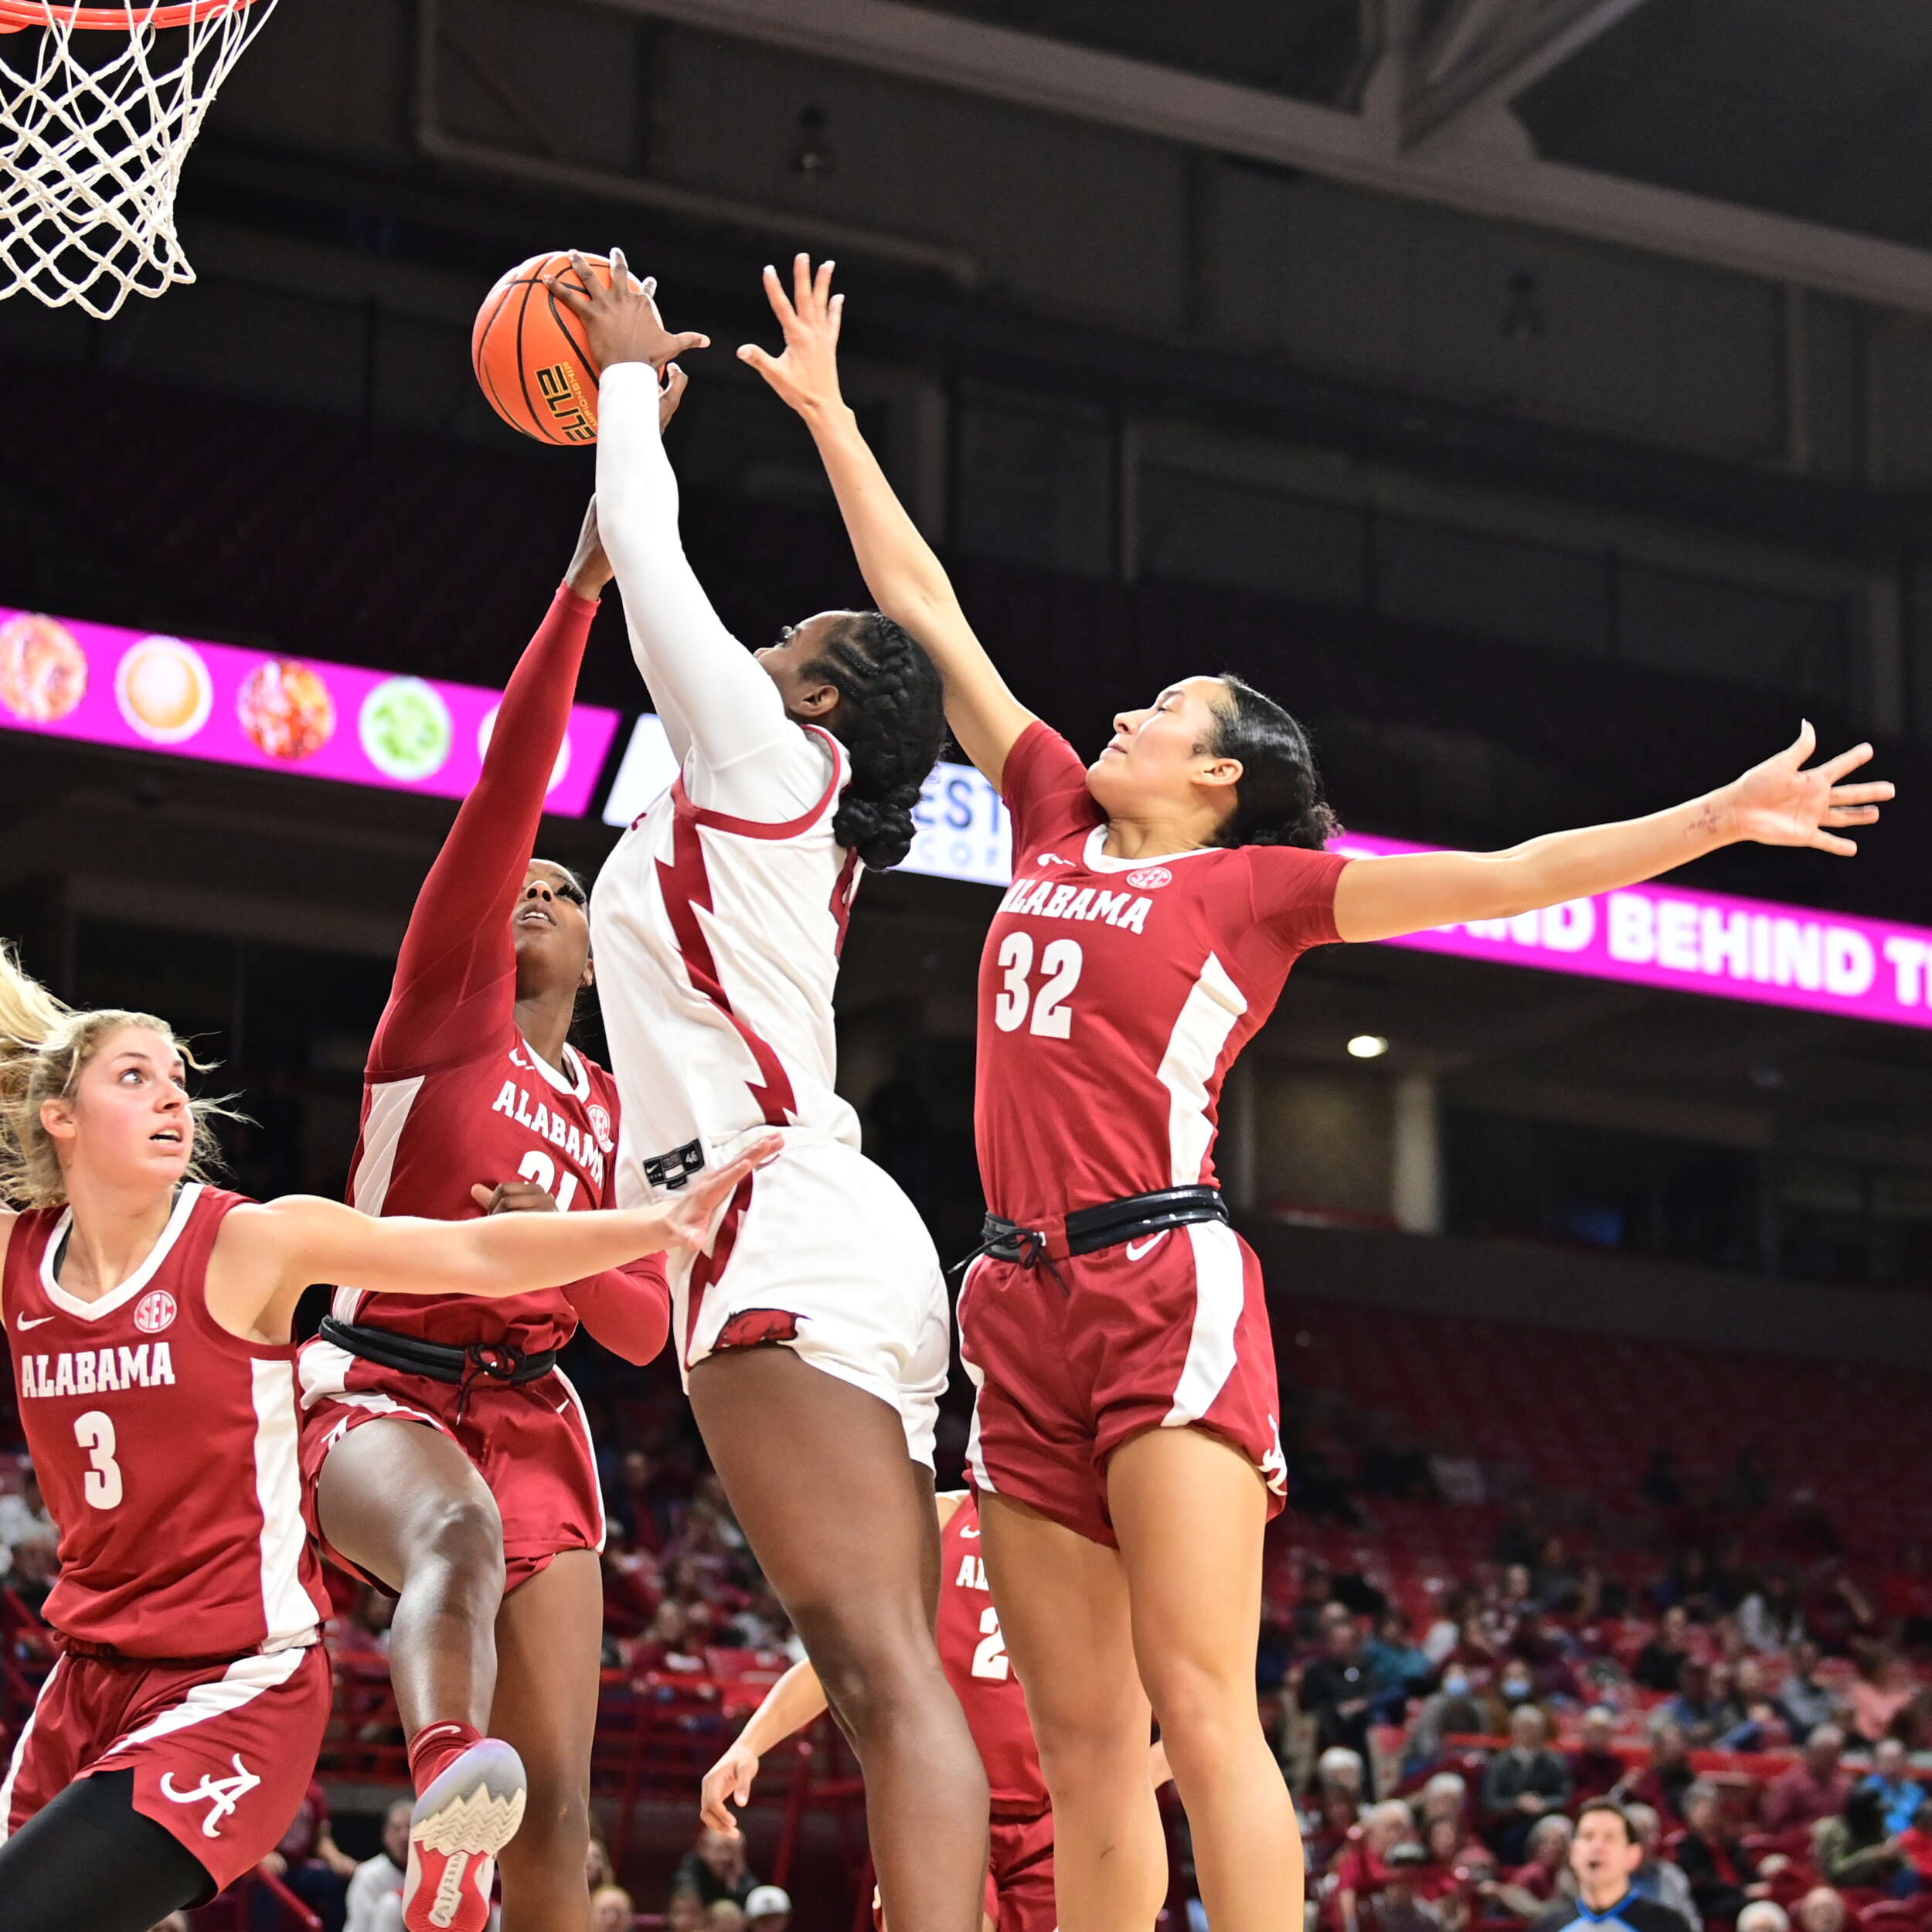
x=716 y=942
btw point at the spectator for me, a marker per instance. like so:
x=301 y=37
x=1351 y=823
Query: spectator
x=309 y=1862
x=1852 y=1849
x=1447 y=1883
x=1336 y=1806
x=725 y=1915
x=1658 y=1878
x=598 y=1870
x=1335 y=1690
x=1596 y=1770
x=1771 y=1617
x=1445 y=1796
x=768 y=1909
x=684 y=1909
x=381 y=1877
x=1522 y=1782
x=24 y=1519
x=715 y=1869
x=1363 y=1868
x=1762 y=1915
x=1722 y=1878
x=1805 y=1702
x=1453 y=1711
x=1401 y=1905
x=1668 y=1776
x=1660 y=1661
x=1446 y=1632
x=1815 y=1787
x=1902 y=1795
x=1398 y=1670
x=1546 y=1878
x=1698 y=1709
x=1915 y=1846
x=1604 y=1855
x=1821 y=1909
x=611 y=1910
x=1885 y=1685
x=1558 y=1584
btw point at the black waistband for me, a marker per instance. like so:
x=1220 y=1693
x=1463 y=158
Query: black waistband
x=440 y=1362
x=1087 y=1230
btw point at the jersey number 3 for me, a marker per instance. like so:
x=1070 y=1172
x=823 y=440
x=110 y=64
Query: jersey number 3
x=101 y=1484
x=989 y=1654
x=1060 y=963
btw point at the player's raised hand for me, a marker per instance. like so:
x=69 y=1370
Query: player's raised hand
x=730 y=1779
x=1778 y=803
x=806 y=375
x=691 y=1213
x=621 y=322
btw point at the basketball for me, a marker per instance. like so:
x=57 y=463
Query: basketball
x=531 y=357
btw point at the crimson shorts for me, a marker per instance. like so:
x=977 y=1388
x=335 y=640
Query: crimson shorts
x=1019 y=1877
x=1166 y=1332
x=530 y=1443
x=221 y=1754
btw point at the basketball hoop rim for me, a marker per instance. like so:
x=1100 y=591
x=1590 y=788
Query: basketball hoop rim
x=17 y=15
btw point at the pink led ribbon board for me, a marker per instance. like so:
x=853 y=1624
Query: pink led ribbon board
x=1700 y=942
x=106 y=687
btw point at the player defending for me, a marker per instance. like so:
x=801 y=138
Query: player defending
x=814 y=1340
x=149 y=1316
x=447 y=1457
x=1125 y=1441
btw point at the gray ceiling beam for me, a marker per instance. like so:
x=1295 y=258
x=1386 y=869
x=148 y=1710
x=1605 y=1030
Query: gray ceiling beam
x=1113 y=90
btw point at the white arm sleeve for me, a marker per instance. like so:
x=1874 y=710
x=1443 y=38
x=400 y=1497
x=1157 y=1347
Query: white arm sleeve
x=725 y=718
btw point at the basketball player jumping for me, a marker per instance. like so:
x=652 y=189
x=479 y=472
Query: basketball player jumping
x=149 y=1316
x=447 y=1457
x=1125 y=1443
x=814 y=1340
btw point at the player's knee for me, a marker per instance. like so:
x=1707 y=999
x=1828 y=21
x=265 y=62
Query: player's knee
x=872 y=1674
x=462 y=1535
x=1203 y=1711
x=553 y=1840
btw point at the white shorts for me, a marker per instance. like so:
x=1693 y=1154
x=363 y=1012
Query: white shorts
x=821 y=1252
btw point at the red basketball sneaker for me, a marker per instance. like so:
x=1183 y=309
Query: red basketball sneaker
x=459 y=1824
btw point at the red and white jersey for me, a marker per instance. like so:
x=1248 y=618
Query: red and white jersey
x=427 y=1137
x=717 y=941
x=166 y=1447
x=1115 y=994
x=980 y=1673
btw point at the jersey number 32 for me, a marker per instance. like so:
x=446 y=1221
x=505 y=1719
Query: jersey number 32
x=1060 y=962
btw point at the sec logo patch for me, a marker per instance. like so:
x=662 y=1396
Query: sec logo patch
x=1149 y=876
x=155 y=1311
x=601 y=1125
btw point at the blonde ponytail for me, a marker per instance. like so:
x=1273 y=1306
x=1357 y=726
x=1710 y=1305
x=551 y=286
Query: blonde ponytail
x=44 y=1044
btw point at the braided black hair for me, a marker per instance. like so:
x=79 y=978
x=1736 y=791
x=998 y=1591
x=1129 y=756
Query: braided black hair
x=891 y=718
x=1278 y=800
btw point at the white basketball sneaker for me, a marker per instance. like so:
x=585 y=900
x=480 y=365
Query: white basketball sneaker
x=459 y=1824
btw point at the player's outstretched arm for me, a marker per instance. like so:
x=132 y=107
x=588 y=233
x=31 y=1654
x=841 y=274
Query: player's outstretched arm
x=268 y=1254
x=789 y=1706
x=455 y=974
x=907 y=579
x=1776 y=803
x=706 y=684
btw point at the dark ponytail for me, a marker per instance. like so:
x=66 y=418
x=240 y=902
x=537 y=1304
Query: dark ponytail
x=891 y=718
x=1278 y=800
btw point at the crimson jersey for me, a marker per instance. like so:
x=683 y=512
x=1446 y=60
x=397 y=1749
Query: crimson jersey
x=454 y=1095
x=166 y=1447
x=1114 y=993
x=973 y=1654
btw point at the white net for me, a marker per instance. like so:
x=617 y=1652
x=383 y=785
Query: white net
x=99 y=105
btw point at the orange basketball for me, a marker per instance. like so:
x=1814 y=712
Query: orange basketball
x=530 y=354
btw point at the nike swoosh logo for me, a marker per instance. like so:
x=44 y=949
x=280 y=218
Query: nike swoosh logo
x=32 y=1321
x=1136 y=1249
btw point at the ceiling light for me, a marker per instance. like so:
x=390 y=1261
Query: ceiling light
x=1367 y=1047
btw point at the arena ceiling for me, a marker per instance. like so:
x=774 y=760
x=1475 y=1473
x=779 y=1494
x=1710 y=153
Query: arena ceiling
x=1780 y=138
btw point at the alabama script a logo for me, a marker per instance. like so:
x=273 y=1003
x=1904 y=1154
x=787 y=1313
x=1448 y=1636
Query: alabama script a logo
x=223 y=1795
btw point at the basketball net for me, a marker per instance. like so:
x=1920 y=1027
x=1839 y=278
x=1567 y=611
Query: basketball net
x=99 y=105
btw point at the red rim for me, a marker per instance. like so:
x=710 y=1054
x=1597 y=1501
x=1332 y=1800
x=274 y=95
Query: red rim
x=17 y=14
